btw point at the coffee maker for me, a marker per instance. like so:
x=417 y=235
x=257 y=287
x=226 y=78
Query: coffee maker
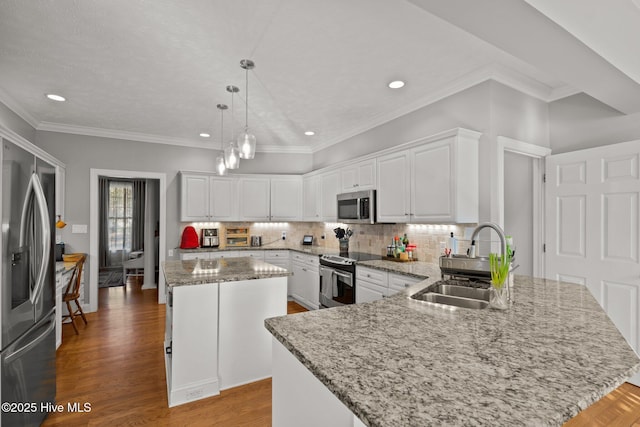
x=209 y=238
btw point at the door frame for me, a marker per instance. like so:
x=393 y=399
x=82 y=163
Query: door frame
x=538 y=153
x=94 y=220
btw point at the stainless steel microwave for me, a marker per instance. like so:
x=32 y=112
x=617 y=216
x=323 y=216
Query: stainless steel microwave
x=357 y=207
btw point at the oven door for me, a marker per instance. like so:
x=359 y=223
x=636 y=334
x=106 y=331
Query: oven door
x=336 y=287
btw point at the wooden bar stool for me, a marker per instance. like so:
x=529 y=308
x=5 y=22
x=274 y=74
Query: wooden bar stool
x=72 y=293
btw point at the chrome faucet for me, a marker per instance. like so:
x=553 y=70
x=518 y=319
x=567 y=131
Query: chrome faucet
x=498 y=230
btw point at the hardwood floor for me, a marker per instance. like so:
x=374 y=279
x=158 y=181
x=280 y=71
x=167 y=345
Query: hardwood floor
x=116 y=365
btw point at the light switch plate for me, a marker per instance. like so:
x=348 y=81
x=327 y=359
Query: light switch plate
x=79 y=228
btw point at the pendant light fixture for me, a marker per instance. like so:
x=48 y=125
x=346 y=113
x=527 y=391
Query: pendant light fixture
x=231 y=152
x=246 y=140
x=221 y=168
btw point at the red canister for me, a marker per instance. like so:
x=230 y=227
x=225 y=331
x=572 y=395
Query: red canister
x=189 y=238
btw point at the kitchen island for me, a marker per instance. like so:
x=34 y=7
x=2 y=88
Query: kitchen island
x=214 y=333
x=400 y=362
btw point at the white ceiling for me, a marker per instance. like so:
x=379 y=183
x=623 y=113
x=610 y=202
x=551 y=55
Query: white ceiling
x=155 y=70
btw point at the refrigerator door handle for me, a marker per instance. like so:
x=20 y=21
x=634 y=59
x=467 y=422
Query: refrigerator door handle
x=17 y=353
x=36 y=187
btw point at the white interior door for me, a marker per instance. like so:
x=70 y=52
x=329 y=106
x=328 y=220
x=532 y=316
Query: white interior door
x=592 y=229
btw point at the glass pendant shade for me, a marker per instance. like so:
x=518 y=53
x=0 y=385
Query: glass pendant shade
x=247 y=144
x=221 y=168
x=232 y=156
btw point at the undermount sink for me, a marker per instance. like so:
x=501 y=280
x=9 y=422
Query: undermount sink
x=452 y=295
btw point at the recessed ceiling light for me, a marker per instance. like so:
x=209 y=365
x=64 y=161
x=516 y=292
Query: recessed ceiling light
x=396 y=84
x=309 y=133
x=54 y=97
x=205 y=135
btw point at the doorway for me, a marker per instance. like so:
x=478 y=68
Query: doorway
x=520 y=175
x=156 y=180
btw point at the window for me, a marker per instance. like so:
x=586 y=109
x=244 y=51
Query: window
x=120 y=217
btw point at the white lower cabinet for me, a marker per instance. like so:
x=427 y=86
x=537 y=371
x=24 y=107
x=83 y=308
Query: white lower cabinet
x=305 y=282
x=191 y=343
x=372 y=284
x=215 y=337
x=400 y=282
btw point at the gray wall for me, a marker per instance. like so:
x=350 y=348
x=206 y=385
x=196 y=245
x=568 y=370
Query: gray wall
x=489 y=107
x=15 y=123
x=580 y=121
x=467 y=109
x=82 y=153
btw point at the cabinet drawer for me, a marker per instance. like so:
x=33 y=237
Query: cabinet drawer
x=276 y=255
x=398 y=282
x=377 y=277
x=195 y=255
x=312 y=260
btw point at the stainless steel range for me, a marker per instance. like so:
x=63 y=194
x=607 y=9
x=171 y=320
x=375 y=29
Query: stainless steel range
x=338 y=278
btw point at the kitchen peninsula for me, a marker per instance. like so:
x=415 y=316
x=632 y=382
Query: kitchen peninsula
x=399 y=362
x=214 y=333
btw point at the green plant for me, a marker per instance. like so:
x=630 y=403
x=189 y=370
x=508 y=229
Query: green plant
x=499 y=267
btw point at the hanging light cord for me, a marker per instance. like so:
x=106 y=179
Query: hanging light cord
x=221 y=129
x=246 y=99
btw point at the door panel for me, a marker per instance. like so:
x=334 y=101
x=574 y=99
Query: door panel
x=592 y=236
x=620 y=227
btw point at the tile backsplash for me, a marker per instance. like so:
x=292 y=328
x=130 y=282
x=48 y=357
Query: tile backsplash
x=366 y=237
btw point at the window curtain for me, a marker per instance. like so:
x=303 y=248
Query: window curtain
x=122 y=218
x=103 y=238
x=138 y=200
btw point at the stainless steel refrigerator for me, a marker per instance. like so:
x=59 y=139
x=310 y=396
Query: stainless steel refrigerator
x=27 y=297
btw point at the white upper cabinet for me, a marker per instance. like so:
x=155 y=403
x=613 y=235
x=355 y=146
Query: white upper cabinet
x=436 y=182
x=207 y=198
x=254 y=194
x=223 y=202
x=330 y=185
x=358 y=176
x=286 y=198
x=312 y=198
x=194 y=197
x=393 y=204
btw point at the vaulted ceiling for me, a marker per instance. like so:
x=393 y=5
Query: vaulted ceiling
x=155 y=70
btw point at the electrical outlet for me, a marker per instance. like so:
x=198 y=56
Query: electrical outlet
x=284 y=235
x=170 y=252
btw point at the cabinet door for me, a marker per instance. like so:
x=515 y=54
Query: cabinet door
x=312 y=198
x=194 y=198
x=360 y=176
x=286 y=198
x=432 y=175
x=222 y=201
x=393 y=187
x=368 y=292
x=400 y=282
x=296 y=288
x=330 y=189
x=311 y=286
x=254 y=198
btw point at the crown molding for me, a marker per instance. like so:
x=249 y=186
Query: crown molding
x=562 y=92
x=157 y=139
x=14 y=106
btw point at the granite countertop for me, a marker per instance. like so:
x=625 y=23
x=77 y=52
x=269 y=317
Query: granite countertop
x=419 y=269
x=400 y=362
x=310 y=249
x=199 y=271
